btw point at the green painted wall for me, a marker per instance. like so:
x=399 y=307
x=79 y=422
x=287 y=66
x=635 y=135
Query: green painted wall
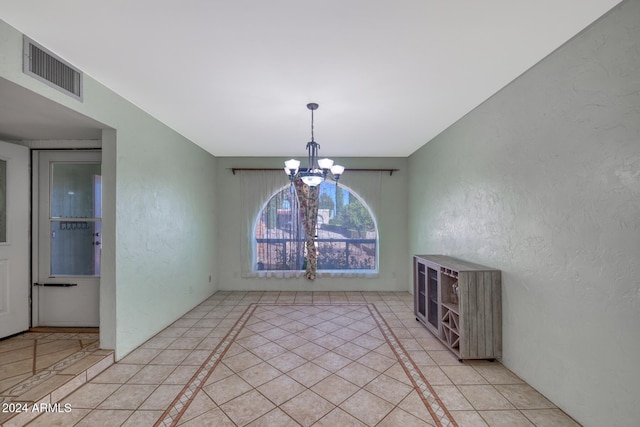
x=543 y=182
x=160 y=212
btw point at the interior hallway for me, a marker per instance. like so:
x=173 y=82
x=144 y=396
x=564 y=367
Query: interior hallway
x=295 y=358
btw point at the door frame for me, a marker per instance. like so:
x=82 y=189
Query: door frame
x=15 y=317
x=35 y=227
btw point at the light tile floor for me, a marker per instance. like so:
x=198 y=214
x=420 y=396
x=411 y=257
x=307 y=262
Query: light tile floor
x=45 y=365
x=300 y=358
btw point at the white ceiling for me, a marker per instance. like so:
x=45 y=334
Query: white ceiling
x=235 y=76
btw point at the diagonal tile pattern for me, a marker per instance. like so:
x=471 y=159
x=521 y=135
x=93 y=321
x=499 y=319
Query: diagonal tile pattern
x=307 y=363
x=298 y=359
x=42 y=365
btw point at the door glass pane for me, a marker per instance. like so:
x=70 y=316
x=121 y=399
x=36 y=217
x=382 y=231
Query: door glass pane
x=76 y=210
x=73 y=248
x=432 y=296
x=3 y=201
x=73 y=190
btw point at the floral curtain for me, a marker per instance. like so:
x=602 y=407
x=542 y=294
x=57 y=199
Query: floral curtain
x=308 y=206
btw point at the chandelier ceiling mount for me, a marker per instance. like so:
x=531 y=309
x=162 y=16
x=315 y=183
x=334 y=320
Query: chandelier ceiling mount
x=318 y=169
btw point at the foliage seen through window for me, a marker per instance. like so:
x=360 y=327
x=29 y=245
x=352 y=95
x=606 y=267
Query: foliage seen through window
x=346 y=235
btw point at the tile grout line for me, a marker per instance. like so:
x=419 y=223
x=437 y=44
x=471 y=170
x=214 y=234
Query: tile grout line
x=177 y=408
x=179 y=405
x=419 y=381
x=35 y=355
x=49 y=397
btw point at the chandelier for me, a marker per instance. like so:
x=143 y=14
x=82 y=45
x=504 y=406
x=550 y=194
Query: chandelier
x=318 y=169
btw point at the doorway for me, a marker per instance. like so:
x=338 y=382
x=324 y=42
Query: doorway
x=66 y=238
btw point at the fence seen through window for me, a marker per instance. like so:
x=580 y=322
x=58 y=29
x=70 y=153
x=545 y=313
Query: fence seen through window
x=346 y=234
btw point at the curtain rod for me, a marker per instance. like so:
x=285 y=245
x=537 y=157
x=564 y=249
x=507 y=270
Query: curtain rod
x=391 y=171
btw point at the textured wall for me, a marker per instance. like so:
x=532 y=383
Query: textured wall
x=166 y=218
x=543 y=182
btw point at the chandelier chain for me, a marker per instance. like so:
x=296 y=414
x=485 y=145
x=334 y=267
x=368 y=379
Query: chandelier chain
x=312 y=140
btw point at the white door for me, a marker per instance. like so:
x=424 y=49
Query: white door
x=14 y=239
x=66 y=256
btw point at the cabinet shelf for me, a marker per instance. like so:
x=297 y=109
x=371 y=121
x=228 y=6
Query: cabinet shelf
x=452 y=307
x=459 y=302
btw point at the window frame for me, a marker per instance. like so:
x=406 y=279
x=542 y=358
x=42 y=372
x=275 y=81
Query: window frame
x=348 y=272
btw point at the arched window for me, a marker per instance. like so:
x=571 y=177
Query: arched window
x=346 y=233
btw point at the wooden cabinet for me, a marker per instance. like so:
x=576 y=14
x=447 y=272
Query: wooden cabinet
x=460 y=303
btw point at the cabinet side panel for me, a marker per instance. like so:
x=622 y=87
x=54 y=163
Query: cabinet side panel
x=497 y=313
x=489 y=314
x=473 y=315
x=481 y=313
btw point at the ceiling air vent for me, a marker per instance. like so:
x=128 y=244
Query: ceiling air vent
x=50 y=69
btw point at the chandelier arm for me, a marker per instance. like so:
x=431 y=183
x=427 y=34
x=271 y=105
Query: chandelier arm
x=314 y=174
